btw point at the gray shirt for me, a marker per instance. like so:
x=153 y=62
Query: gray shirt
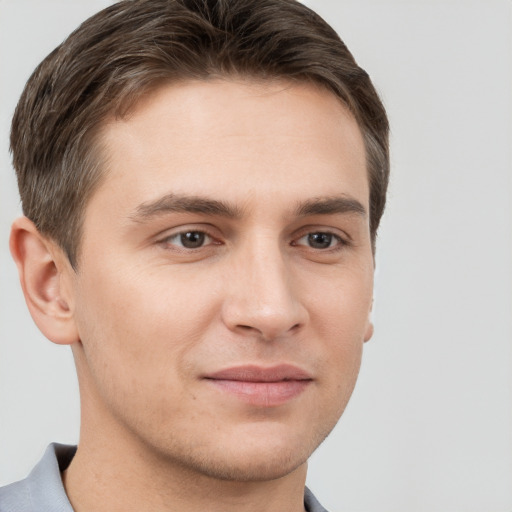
x=42 y=490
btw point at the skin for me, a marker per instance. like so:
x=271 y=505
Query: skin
x=282 y=273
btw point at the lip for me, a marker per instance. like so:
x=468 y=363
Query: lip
x=261 y=386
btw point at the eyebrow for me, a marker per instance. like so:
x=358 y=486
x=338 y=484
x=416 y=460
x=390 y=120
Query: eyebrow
x=330 y=206
x=175 y=203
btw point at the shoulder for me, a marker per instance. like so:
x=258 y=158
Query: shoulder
x=311 y=504
x=15 y=497
x=42 y=490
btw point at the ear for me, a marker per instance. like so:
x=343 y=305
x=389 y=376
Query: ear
x=369 y=326
x=46 y=277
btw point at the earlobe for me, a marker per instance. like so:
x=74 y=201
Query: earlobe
x=369 y=331
x=369 y=325
x=44 y=273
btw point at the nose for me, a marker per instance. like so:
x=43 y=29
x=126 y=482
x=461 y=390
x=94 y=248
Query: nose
x=262 y=295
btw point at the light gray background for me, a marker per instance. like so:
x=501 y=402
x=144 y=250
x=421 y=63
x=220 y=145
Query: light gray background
x=429 y=427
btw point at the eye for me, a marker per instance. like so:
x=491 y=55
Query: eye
x=189 y=239
x=320 y=240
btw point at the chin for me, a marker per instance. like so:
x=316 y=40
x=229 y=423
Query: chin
x=258 y=455
x=248 y=467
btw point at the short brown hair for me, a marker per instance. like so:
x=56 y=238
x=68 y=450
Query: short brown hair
x=131 y=47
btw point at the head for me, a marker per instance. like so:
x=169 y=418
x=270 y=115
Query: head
x=204 y=181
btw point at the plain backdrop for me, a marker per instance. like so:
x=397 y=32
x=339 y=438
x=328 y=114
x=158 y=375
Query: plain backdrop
x=429 y=427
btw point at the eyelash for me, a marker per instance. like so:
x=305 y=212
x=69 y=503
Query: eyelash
x=179 y=236
x=340 y=242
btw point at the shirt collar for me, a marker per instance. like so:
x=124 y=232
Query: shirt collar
x=44 y=483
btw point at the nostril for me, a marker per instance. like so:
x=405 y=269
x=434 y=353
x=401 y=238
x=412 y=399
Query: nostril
x=261 y=332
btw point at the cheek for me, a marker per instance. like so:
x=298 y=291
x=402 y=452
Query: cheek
x=341 y=308
x=341 y=315
x=138 y=328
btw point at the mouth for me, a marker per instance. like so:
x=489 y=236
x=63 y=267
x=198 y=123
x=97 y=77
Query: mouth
x=259 y=386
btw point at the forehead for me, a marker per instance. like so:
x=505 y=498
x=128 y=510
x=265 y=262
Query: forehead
x=235 y=141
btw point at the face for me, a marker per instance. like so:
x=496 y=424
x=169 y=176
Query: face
x=225 y=276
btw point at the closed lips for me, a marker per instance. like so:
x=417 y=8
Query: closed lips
x=252 y=373
x=261 y=387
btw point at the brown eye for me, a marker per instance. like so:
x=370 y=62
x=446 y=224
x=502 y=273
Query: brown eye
x=192 y=239
x=189 y=239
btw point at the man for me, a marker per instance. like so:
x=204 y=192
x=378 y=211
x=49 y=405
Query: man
x=202 y=183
